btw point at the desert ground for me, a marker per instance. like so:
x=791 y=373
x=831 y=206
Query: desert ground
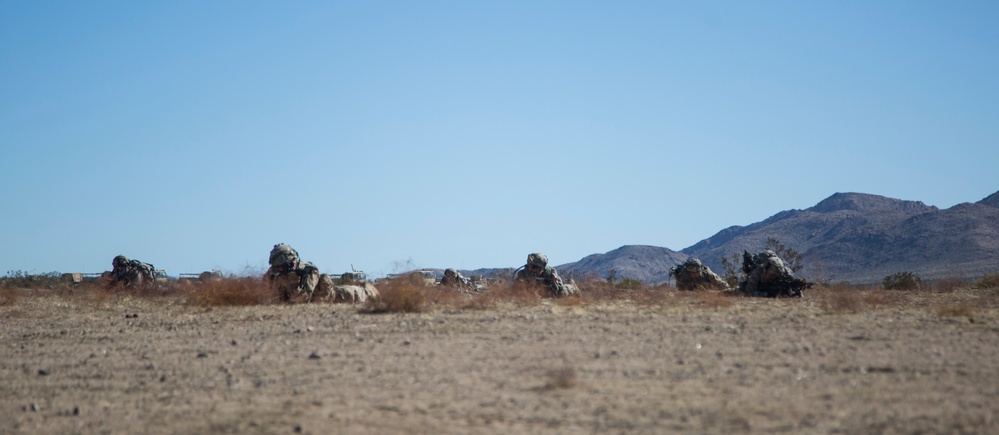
x=654 y=360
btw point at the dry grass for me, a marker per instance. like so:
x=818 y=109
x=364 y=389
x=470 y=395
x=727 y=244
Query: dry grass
x=598 y=292
x=956 y=310
x=657 y=296
x=671 y=363
x=507 y=292
x=9 y=296
x=945 y=298
x=561 y=378
x=96 y=294
x=879 y=298
x=990 y=281
x=228 y=292
x=844 y=298
x=88 y=293
x=714 y=299
x=399 y=296
x=571 y=301
x=477 y=303
x=445 y=296
x=949 y=284
x=984 y=300
x=959 y=302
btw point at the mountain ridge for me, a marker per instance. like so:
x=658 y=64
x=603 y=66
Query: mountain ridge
x=847 y=237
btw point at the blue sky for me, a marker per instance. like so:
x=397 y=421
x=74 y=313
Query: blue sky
x=388 y=135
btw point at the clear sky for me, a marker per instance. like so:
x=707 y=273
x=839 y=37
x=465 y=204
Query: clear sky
x=389 y=135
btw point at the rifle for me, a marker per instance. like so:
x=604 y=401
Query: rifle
x=786 y=285
x=747 y=262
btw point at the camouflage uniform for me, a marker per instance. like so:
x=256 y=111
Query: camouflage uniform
x=357 y=291
x=292 y=278
x=537 y=272
x=768 y=276
x=691 y=274
x=130 y=273
x=453 y=278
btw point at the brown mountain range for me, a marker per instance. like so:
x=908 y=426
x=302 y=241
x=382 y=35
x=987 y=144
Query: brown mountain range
x=848 y=237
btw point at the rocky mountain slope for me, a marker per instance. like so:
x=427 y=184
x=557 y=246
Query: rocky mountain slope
x=847 y=237
x=859 y=237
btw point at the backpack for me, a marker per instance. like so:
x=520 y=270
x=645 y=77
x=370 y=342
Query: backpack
x=147 y=270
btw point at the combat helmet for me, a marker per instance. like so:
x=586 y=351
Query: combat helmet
x=282 y=255
x=692 y=263
x=119 y=261
x=537 y=259
x=450 y=272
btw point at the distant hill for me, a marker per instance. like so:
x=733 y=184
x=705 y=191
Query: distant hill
x=861 y=238
x=847 y=237
x=649 y=264
x=991 y=200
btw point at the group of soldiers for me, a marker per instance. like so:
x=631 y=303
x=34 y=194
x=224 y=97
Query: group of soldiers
x=296 y=280
x=536 y=272
x=300 y=281
x=767 y=275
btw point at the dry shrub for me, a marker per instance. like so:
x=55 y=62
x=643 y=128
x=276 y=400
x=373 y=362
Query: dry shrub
x=955 y=310
x=990 y=281
x=230 y=292
x=399 y=296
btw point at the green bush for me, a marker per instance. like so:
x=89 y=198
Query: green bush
x=901 y=281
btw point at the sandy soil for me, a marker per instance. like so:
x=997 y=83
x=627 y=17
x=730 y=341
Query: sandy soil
x=829 y=363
